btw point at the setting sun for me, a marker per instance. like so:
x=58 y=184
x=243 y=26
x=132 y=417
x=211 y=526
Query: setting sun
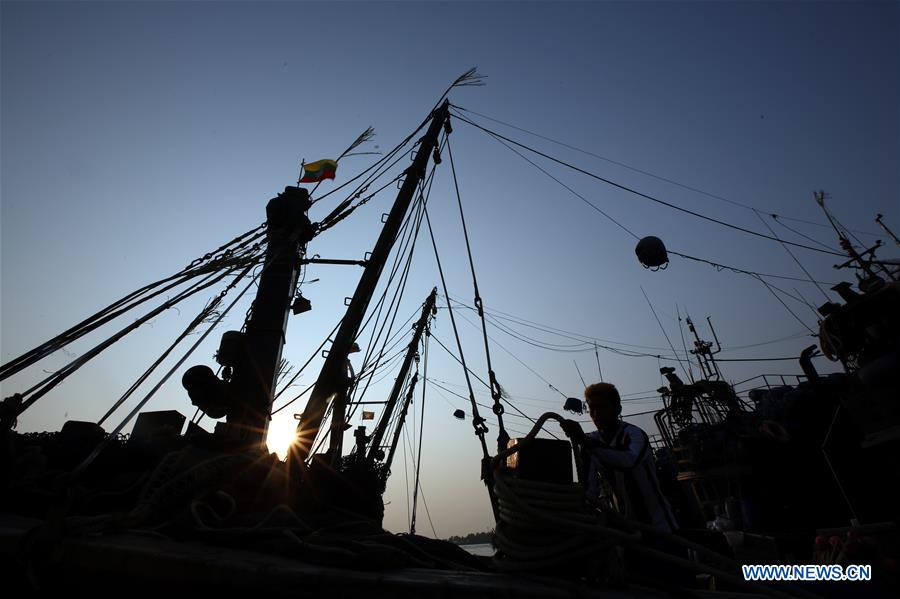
x=280 y=436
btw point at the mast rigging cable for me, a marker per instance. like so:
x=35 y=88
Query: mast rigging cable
x=774 y=216
x=219 y=259
x=634 y=235
x=496 y=390
x=644 y=195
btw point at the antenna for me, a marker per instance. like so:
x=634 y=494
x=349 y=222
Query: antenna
x=597 y=355
x=683 y=344
x=791 y=254
x=703 y=351
x=864 y=265
x=666 y=335
x=886 y=230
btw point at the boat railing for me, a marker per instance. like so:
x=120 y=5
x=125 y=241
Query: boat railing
x=657 y=442
x=767 y=382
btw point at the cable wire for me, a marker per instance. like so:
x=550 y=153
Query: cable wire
x=644 y=195
x=655 y=176
x=115 y=433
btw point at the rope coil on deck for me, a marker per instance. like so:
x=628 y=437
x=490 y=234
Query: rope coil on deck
x=546 y=525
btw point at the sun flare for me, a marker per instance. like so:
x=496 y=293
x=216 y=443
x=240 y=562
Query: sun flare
x=280 y=437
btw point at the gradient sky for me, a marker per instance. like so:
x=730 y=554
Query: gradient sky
x=135 y=137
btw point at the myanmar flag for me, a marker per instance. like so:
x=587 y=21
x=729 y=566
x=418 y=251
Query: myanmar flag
x=319 y=170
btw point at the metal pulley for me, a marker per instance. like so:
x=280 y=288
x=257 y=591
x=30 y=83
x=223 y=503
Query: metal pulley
x=651 y=253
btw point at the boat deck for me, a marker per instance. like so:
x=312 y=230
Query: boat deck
x=115 y=562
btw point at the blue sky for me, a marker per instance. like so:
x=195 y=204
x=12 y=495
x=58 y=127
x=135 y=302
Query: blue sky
x=135 y=137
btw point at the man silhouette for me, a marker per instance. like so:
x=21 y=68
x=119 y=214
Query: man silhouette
x=618 y=456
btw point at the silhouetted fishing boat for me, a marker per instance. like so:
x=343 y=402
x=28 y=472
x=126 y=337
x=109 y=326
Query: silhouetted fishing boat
x=161 y=509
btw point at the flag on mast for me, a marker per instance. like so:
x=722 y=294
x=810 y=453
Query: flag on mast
x=318 y=171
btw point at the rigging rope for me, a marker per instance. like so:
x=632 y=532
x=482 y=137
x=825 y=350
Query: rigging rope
x=549 y=384
x=114 y=434
x=305 y=364
x=780 y=301
x=719 y=266
x=467 y=79
x=665 y=334
x=791 y=254
x=410 y=236
x=393 y=307
x=496 y=390
x=394 y=423
x=477 y=420
x=644 y=195
x=412 y=522
x=464 y=398
x=480 y=380
x=659 y=177
x=440 y=394
x=779 y=219
x=331 y=222
x=421 y=201
x=393 y=341
x=427 y=511
x=377 y=164
x=376 y=311
x=590 y=344
x=40 y=389
x=112 y=311
x=585 y=339
x=625 y=353
x=203 y=315
x=572 y=191
x=635 y=236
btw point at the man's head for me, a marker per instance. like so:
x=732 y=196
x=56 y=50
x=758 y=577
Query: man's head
x=604 y=405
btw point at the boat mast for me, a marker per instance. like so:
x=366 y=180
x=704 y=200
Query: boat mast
x=289 y=230
x=333 y=381
x=251 y=358
x=399 y=428
x=411 y=353
x=886 y=229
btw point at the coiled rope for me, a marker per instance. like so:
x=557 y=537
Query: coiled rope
x=532 y=512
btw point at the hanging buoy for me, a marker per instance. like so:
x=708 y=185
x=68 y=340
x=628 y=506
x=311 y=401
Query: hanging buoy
x=651 y=252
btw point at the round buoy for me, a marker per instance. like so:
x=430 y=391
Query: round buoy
x=651 y=252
